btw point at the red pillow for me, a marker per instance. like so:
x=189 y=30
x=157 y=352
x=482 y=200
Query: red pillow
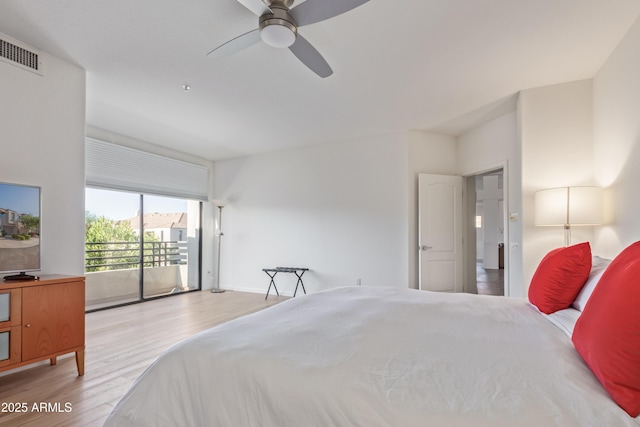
x=559 y=277
x=607 y=334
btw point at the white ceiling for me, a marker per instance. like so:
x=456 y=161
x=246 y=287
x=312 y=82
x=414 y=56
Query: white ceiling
x=418 y=64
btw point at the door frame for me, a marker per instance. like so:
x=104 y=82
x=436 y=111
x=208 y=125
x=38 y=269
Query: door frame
x=469 y=241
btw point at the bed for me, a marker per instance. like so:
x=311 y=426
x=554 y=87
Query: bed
x=373 y=356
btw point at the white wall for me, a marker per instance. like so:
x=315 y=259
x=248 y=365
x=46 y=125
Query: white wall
x=345 y=210
x=557 y=151
x=339 y=209
x=616 y=122
x=578 y=133
x=586 y=133
x=489 y=146
x=42 y=138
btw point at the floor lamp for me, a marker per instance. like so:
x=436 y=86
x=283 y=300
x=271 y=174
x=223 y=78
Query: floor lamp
x=220 y=204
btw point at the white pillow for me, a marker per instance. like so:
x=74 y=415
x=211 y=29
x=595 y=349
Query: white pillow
x=565 y=319
x=598 y=265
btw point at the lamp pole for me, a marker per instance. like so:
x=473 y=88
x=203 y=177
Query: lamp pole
x=216 y=289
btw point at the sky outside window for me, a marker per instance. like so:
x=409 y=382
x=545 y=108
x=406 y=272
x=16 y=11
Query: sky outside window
x=118 y=205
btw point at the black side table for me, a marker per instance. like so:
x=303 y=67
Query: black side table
x=271 y=272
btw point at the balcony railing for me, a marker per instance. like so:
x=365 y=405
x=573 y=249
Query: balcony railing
x=106 y=256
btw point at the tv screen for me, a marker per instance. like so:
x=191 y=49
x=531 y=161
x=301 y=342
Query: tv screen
x=19 y=228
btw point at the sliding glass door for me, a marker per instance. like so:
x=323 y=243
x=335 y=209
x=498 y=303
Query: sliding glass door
x=171 y=246
x=140 y=247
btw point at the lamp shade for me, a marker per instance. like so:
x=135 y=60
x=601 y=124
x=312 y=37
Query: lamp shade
x=551 y=206
x=569 y=206
x=219 y=202
x=585 y=206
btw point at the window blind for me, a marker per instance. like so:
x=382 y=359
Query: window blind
x=113 y=166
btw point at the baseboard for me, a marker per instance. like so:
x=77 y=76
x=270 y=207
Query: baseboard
x=262 y=291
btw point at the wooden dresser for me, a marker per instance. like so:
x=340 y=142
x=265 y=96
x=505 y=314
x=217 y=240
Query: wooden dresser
x=41 y=319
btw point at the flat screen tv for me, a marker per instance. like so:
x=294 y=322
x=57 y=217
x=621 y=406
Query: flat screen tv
x=20 y=210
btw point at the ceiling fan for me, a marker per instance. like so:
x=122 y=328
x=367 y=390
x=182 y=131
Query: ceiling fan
x=278 y=27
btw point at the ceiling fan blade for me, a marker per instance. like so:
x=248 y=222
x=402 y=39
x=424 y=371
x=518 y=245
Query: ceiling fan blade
x=236 y=44
x=310 y=57
x=258 y=7
x=312 y=11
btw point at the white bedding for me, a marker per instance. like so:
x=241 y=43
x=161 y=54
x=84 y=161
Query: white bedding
x=374 y=357
x=565 y=320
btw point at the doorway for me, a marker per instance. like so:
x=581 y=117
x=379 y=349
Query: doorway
x=489 y=232
x=452 y=260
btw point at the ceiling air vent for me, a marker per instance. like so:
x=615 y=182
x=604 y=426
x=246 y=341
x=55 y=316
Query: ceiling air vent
x=19 y=54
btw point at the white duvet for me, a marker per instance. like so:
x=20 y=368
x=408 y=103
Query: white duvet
x=374 y=357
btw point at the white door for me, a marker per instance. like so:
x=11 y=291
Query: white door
x=440 y=232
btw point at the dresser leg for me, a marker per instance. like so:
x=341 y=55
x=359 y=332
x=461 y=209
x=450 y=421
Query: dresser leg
x=80 y=362
x=53 y=360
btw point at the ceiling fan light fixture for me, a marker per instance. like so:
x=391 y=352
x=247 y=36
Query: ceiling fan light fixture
x=278 y=28
x=278 y=35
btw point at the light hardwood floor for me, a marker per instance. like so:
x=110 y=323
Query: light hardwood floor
x=120 y=344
